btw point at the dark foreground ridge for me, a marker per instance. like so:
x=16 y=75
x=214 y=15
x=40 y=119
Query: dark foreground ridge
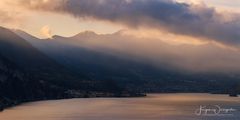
x=17 y=87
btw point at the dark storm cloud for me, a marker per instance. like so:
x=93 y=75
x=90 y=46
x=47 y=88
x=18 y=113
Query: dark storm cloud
x=178 y=18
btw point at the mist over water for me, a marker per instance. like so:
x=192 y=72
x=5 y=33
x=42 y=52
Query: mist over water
x=153 y=107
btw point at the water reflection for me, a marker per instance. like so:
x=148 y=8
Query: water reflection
x=153 y=107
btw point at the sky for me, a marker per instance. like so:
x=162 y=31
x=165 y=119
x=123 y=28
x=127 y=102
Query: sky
x=209 y=28
x=17 y=16
x=20 y=14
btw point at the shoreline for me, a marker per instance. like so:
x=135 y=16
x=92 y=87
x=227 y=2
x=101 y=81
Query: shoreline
x=6 y=104
x=136 y=95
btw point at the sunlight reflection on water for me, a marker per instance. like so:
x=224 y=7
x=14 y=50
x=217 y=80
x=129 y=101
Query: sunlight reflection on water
x=153 y=107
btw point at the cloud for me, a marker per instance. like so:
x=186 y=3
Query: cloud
x=10 y=17
x=179 y=18
x=46 y=31
x=5 y=17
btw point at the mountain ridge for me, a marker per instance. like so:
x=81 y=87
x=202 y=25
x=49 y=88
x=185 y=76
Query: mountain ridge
x=131 y=74
x=27 y=74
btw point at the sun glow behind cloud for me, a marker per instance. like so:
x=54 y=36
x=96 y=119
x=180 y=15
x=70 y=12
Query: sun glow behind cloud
x=17 y=16
x=46 y=31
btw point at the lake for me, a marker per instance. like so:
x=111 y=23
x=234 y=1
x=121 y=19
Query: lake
x=152 y=107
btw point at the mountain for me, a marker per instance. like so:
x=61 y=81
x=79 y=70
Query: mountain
x=89 y=54
x=17 y=86
x=27 y=74
x=30 y=59
x=42 y=67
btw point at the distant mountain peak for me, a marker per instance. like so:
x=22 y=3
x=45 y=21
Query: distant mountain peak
x=86 y=34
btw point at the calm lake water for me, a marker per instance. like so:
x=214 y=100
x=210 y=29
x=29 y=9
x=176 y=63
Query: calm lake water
x=153 y=107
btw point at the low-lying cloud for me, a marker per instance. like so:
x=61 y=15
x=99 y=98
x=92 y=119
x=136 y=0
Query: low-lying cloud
x=46 y=31
x=179 y=18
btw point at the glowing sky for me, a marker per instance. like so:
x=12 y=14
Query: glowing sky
x=33 y=21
